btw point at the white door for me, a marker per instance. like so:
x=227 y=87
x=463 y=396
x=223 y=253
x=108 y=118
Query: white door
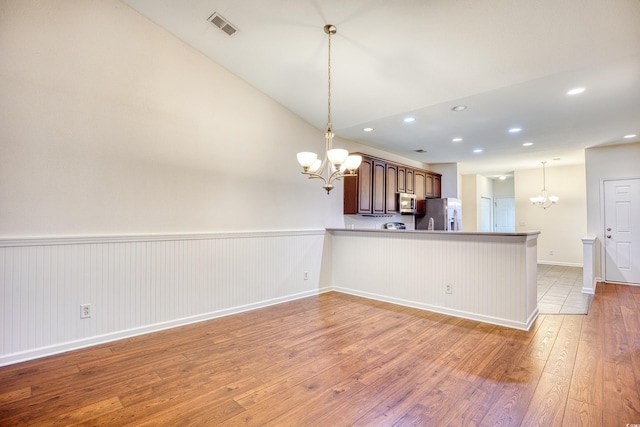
x=485 y=214
x=622 y=230
x=505 y=215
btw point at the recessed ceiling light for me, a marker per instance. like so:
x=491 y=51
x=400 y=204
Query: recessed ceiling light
x=515 y=130
x=576 y=91
x=502 y=178
x=409 y=119
x=478 y=150
x=459 y=108
x=527 y=144
x=632 y=135
x=368 y=129
x=456 y=139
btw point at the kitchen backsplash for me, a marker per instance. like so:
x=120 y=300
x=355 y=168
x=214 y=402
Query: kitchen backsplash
x=373 y=222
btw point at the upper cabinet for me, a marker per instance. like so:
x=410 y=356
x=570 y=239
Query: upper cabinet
x=358 y=197
x=433 y=185
x=375 y=190
x=429 y=185
x=409 y=181
x=402 y=174
x=391 y=188
x=419 y=186
x=437 y=186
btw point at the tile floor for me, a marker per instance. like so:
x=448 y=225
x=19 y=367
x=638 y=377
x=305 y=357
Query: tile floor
x=560 y=290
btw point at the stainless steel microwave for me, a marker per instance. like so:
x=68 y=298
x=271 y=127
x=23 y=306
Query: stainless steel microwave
x=407 y=203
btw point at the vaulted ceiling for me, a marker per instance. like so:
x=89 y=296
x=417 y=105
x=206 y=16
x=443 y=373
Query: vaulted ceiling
x=510 y=63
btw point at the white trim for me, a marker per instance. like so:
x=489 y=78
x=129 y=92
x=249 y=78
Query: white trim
x=24 y=356
x=126 y=238
x=622 y=283
x=601 y=232
x=79 y=265
x=588 y=271
x=443 y=310
x=561 y=264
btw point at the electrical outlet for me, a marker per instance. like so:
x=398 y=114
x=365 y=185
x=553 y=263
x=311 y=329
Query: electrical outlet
x=448 y=289
x=305 y=275
x=551 y=253
x=85 y=311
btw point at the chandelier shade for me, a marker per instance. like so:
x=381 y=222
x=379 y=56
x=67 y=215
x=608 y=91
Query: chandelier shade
x=544 y=199
x=337 y=163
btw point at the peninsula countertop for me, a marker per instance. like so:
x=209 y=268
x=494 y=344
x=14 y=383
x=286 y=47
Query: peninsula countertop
x=488 y=277
x=433 y=232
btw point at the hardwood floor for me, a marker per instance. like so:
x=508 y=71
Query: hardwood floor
x=335 y=360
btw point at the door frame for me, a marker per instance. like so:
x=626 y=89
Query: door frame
x=601 y=229
x=496 y=212
x=482 y=212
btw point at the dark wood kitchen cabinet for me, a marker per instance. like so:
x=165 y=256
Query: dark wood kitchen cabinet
x=402 y=173
x=409 y=181
x=428 y=192
x=437 y=186
x=434 y=186
x=374 y=190
x=391 y=188
x=357 y=191
x=378 y=187
x=419 y=186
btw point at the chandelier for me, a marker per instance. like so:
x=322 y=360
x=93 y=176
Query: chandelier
x=337 y=162
x=544 y=199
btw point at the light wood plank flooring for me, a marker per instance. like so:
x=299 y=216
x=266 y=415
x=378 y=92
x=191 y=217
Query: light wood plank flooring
x=338 y=360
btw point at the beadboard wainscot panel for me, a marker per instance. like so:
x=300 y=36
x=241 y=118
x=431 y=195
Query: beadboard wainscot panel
x=492 y=276
x=140 y=284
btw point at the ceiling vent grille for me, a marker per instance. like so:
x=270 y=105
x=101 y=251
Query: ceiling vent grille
x=222 y=23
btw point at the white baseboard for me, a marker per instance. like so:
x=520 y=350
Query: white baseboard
x=561 y=264
x=24 y=356
x=444 y=310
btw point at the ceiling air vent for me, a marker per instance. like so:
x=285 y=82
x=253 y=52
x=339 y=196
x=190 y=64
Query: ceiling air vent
x=222 y=23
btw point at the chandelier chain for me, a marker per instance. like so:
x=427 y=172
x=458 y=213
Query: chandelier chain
x=329 y=86
x=338 y=163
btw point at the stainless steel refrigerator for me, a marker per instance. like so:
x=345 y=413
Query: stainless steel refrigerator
x=441 y=214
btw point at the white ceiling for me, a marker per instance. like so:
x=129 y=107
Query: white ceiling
x=510 y=62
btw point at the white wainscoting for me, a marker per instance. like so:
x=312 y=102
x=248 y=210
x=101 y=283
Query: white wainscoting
x=492 y=276
x=140 y=284
x=589 y=277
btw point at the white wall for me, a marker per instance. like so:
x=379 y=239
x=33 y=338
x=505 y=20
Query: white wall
x=504 y=188
x=474 y=188
x=607 y=162
x=562 y=225
x=451 y=182
x=112 y=126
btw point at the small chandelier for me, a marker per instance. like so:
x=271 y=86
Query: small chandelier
x=337 y=162
x=544 y=199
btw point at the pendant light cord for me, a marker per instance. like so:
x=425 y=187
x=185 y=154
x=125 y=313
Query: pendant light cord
x=329 y=84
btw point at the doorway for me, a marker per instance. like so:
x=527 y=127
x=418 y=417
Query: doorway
x=485 y=215
x=622 y=230
x=505 y=215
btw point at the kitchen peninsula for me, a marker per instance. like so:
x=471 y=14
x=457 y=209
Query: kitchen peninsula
x=489 y=277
